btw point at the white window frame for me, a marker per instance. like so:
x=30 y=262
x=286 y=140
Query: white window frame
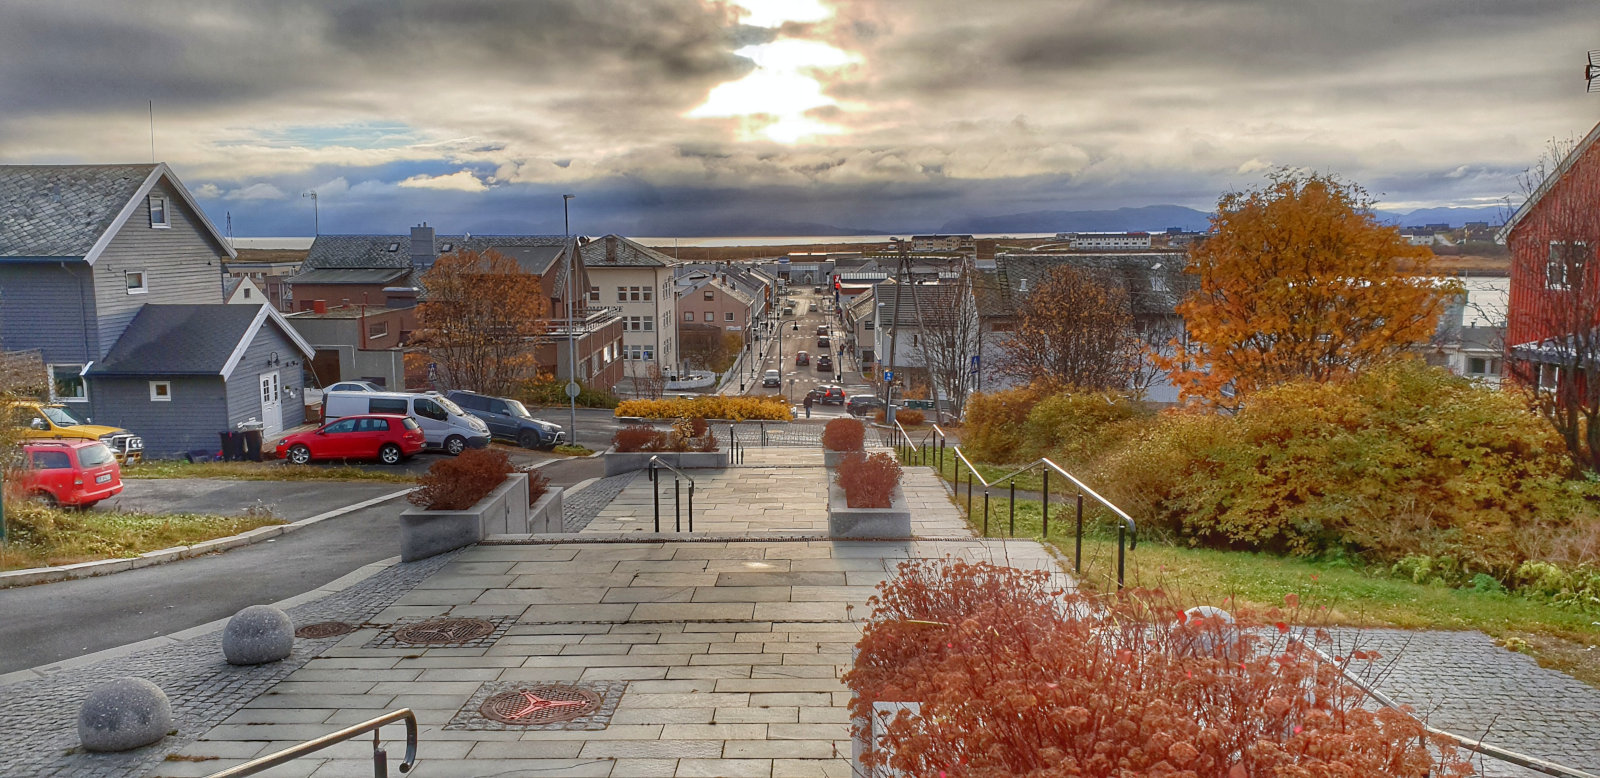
x=711 y=316
x=159 y=203
x=382 y=333
x=648 y=322
x=727 y=316
x=594 y=294
x=688 y=315
x=144 y=281
x=160 y=391
x=76 y=370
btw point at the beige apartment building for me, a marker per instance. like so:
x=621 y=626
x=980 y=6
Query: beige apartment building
x=635 y=282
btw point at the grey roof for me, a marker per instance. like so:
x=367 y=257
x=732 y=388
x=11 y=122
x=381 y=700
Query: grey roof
x=613 y=250
x=936 y=302
x=62 y=210
x=696 y=284
x=178 y=340
x=360 y=275
x=1155 y=282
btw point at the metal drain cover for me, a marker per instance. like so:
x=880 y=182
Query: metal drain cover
x=536 y=705
x=324 y=629
x=444 y=631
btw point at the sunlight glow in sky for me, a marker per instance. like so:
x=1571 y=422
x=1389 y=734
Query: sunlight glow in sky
x=775 y=13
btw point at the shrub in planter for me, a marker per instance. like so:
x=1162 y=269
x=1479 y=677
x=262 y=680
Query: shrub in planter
x=686 y=435
x=869 y=481
x=844 y=435
x=773 y=408
x=458 y=483
x=1015 y=677
x=640 y=439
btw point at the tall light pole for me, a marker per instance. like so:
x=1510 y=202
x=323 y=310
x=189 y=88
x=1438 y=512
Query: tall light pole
x=572 y=337
x=316 y=213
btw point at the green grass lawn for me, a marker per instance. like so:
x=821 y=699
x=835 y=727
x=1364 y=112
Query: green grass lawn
x=262 y=471
x=42 y=537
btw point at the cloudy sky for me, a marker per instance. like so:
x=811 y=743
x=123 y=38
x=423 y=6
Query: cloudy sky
x=697 y=117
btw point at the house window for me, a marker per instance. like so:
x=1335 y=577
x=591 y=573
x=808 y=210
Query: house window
x=1483 y=366
x=633 y=293
x=688 y=315
x=649 y=353
x=729 y=316
x=594 y=294
x=710 y=295
x=394 y=247
x=158 y=213
x=710 y=316
x=160 y=391
x=622 y=294
x=378 y=330
x=135 y=282
x=66 y=384
x=648 y=322
x=646 y=291
x=247 y=293
x=1565 y=264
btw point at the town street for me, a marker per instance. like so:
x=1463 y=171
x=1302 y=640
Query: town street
x=799 y=379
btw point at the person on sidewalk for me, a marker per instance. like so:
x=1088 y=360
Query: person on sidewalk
x=808 y=406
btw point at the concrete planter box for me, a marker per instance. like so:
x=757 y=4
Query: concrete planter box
x=425 y=533
x=847 y=522
x=546 y=515
x=833 y=458
x=630 y=461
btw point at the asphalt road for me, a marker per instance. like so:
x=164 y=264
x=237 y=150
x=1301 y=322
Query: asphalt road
x=799 y=379
x=57 y=621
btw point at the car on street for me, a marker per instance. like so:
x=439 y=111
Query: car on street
x=827 y=394
x=822 y=329
x=52 y=421
x=444 y=424
x=863 y=404
x=824 y=364
x=508 y=419
x=812 y=308
x=388 y=438
x=70 y=473
x=802 y=358
x=822 y=341
x=354 y=386
x=771 y=378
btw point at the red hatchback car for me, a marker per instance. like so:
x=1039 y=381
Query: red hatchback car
x=384 y=437
x=75 y=473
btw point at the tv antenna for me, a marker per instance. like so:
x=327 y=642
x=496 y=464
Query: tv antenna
x=1591 y=72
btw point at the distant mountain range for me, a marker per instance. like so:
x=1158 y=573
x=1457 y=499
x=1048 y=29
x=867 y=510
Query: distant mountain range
x=1156 y=218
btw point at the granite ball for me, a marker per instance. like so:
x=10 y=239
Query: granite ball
x=124 y=714
x=257 y=635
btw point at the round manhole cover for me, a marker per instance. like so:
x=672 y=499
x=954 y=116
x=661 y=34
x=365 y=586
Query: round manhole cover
x=324 y=629
x=445 y=631
x=540 y=705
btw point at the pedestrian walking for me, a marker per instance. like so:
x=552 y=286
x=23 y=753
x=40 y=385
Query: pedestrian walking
x=808 y=406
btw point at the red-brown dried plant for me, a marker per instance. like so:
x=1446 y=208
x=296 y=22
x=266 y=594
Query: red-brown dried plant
x=640 y=439
x=844 y=435
x=906 y=417
x=1017 y=678
x=458 y=483
x=868 y=481
x=538 y=484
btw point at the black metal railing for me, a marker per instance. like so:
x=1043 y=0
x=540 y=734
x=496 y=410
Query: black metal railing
x=932 y=447
x=678 y=476
x=1476 y=746
x=380 y=758
x=735 y=448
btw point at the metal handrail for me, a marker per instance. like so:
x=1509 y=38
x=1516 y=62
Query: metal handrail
x=380 y=758
x=677 y=513
x=1477 y=746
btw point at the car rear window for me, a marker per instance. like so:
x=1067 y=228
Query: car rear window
x=51 y=460
x=95 y=455
x=411 y=424
x=387 y=405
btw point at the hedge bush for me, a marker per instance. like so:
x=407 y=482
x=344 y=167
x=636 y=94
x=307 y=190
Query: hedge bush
x=554 y=393
x=770 y=408
x=1072 y=427
x=685 y=435
x=458 y=483
x=844 y=435
x=868 y=481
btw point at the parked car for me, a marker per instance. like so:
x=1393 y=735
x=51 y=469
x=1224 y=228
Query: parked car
x=71 y=473
x=46 y=421
x=788 y=310
x=827 y=394
x=824 y=364
x=812 y=308
x=863 y=404
x=822 y=341
x=771 y=378
x=822 y=329
x=354 y=386
x=444 y=424
x=509 y=420
x=388 y=438
x=816 y=290
x=802 y=358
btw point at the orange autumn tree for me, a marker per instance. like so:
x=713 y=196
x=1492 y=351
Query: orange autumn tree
x=481 y=320
x=1299 y=281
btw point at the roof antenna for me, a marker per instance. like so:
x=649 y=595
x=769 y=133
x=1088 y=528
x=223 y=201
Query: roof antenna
x=1591 y=72
x=153 y=127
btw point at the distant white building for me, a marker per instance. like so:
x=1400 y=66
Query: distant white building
x=1105 y=241
x=959 y=243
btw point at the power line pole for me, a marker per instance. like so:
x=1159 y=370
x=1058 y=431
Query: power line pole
x=572 y=332
x=894 y=332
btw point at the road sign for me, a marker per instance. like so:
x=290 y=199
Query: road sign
x=974 y=364
x=888 y=375
x=573 y=389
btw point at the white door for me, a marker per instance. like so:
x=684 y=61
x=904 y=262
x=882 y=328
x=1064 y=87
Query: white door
x=271 y=404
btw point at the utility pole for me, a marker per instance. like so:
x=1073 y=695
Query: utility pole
x=572 y=331
x=316 y=213
x=894 y=331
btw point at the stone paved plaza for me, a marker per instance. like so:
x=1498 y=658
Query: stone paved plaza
x=716 y=654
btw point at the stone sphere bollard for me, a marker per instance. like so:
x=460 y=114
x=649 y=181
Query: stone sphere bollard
x=124 y=714
x=257 y=635
x=1218 y=636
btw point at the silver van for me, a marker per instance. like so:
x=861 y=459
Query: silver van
x=444 y=425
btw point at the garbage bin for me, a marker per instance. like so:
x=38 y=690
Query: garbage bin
x=250 y=430
x=232 y=446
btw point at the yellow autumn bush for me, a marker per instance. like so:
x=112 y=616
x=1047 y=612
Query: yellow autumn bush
x=709 y=407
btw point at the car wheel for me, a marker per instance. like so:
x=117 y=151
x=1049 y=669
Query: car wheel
x=299 y=454
x=47 y=499
x=389 y=454
x=454 y=445
x=528 y=439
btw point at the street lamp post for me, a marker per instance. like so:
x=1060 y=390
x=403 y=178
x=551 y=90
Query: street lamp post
x=316 y=212
x=572 y=337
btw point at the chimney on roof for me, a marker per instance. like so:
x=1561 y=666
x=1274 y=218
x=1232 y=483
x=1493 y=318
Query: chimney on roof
x=611 y=249
x=345 y=303
x=422 y=254
x=319 y=306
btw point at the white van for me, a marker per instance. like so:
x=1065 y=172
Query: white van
x=444 y=424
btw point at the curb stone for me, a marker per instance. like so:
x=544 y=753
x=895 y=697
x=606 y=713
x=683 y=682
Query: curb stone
x=40 y=575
